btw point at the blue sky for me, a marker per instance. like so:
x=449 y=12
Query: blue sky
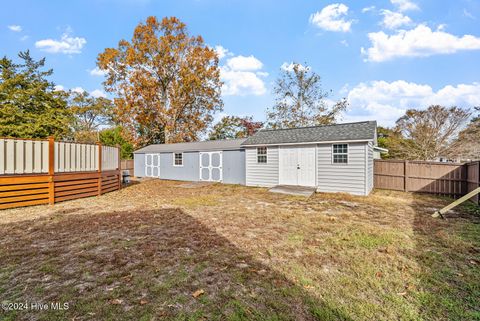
x=384 y=56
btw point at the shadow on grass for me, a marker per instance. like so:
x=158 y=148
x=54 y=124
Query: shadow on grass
x=143 y=265
x=448 y=254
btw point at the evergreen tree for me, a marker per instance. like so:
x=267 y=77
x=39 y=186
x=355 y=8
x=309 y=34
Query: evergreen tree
x=30 y=107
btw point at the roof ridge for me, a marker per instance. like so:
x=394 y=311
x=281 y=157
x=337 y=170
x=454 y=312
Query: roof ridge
x=316 y=126
x=202 y=141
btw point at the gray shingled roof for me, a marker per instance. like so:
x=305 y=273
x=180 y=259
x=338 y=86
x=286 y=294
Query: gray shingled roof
x=339 y=132
x=228 y=144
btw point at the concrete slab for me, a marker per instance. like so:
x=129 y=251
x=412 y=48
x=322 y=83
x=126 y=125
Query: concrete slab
x=293 y=190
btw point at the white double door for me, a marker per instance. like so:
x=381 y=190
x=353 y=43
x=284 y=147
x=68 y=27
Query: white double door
x=152 y=165
x=211 y=166
x=297 y=165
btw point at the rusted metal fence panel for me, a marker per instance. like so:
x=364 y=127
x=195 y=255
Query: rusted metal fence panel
x=47 y=172
x=449 y=179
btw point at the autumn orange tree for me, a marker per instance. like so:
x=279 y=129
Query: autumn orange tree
x=167 y=82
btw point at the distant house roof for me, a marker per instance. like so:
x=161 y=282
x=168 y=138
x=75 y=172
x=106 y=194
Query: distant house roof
x=210 y=145
x=338 y=132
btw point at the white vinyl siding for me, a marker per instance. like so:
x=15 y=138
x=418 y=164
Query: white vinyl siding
x=348 y=178
x=261 y=174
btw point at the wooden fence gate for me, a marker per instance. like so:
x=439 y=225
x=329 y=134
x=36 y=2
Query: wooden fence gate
x=36 y=172
x=448 y=179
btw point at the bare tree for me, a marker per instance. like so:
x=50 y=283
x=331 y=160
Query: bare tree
x=428 y=133
x=467 y=145
x=301 y=101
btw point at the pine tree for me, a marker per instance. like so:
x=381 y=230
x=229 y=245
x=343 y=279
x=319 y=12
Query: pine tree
x=30 y=107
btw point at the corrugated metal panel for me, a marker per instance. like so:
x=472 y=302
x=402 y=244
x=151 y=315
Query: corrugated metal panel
x=259 y=174
x=349 y=178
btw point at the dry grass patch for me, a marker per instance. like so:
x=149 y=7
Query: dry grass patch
x=140 y=253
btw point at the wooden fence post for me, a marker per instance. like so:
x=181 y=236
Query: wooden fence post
x=119 y=166
x=478 y=183
x=51 y=170
x=99 y=168
x=405 y=175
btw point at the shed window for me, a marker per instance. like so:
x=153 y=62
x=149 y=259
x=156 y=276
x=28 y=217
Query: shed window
x=178 y=159
x=261 y=154
x=340 y=153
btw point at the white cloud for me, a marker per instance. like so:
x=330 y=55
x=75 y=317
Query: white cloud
x=97 y=93
x=15 y=28
x=331 y=18
x=241 y=83
x=344 y=42
x=97 y=72
x=66 y=45
x=242 y=76
x=78 y=90
x=58 y=88
x=405 y=5
x=242 y=63
x=387 y=101
x=368 y=9
x=418 y=42
x=222 y=52
x=394 y=20
x=289 y=66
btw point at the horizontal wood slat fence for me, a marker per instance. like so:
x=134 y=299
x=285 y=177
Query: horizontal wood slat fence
x=34 y=172
x=446 y=179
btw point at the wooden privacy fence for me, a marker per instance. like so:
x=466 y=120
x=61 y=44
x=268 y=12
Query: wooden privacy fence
x=127 y=164
x=473 y=179
x=449 y=179
x=36 y=172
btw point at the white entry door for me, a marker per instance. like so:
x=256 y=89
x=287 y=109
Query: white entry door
x=152 y=165
x=297 y=166
x=211 y=166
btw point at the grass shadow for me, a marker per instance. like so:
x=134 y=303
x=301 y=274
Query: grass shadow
x=143 y=265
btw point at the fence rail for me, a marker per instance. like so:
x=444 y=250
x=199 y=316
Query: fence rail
x=36 y=172
x=445 y=179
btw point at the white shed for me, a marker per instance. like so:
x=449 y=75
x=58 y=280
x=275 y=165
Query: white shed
x=331 y=158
